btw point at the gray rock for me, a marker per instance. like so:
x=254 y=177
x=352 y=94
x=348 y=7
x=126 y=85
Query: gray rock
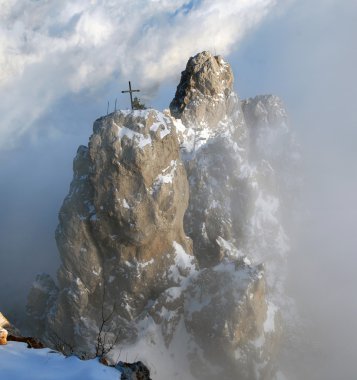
x=214 y=149
x=117 y=227
x=131 y=278
x=202 y=93
x=40 y=300
x=133 y=371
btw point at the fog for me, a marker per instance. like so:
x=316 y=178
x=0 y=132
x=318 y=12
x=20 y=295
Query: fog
x=307 y=58
x=303 y=52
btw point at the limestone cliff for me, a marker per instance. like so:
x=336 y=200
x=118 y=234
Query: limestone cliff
x=118 y=226
x=196 y=306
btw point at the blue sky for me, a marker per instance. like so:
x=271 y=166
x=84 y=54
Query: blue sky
x=76 y=49
x=60 y=64
x=62 y=61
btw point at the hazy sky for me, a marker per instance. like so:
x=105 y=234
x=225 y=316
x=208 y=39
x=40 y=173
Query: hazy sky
x=60 y=62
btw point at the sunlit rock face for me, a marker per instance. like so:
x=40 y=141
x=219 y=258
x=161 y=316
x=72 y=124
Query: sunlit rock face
x=118 y=224
x=202 y=93
x=172 y=235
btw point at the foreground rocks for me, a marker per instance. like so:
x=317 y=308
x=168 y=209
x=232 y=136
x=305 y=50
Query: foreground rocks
x=10 y=333
x=5 y=324
x=3 y=336
x=3 y=332
x=195 y=306
x=135 y=370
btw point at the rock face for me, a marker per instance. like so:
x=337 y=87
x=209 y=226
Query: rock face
x=204 y=87
x=214 y=151
x=131 y=281
x=117 y=227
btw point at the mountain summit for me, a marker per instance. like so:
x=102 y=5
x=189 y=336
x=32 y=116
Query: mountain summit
x=171 y=237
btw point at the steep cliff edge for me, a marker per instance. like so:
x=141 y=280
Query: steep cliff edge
x=196 y=306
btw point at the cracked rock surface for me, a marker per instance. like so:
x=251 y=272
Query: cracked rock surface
x=171 y=238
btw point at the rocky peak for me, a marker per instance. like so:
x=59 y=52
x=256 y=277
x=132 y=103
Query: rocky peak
x=264 y=110
x=121 y=228
x=145 y=180
x=205 y=86
x=134 y=158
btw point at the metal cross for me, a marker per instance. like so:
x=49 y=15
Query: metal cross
x=131 y=96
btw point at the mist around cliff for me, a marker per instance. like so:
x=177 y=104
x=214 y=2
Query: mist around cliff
x=311 y=66
x=56 y=79
x=320 y=63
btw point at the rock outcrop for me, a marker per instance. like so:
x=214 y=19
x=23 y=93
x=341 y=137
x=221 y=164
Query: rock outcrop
x=118 y=226
x=4 y=322
x=3 y=336
x=196 y=306
x=8 y=332
x=9 y=327
x=135 y=370
x=201 y=96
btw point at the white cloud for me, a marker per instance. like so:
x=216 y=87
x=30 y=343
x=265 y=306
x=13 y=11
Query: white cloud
x=49 y=50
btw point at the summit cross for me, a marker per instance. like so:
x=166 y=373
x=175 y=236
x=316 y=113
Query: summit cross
x=131 y=94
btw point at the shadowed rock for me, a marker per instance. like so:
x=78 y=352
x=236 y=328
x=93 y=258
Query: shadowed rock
x=135 y=370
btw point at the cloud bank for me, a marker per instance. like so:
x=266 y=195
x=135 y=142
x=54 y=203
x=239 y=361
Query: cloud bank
x=50 y=50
